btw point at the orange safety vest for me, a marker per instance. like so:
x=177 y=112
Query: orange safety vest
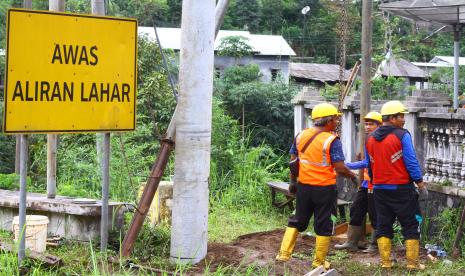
x=366 y=177
x=315 y=163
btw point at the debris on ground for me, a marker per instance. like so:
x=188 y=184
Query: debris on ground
x=47 y=259
x=435 y=250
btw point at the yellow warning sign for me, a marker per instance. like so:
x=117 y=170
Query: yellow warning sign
x=69 y=73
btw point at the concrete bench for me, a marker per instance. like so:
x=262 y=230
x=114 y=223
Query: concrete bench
x=283 y=188
x=77 y=221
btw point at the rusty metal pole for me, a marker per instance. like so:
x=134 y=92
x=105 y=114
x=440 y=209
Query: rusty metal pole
x=147 y=196
x=166 y=146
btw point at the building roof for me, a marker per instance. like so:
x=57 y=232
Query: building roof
x=447 y=60
x=432 y=65
x=448 y=12
x=265 y=45
x=398 y=67
x=315 y=71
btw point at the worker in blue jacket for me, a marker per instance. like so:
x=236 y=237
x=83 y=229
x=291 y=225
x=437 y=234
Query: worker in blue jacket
x=363 y=202
x=394 y=169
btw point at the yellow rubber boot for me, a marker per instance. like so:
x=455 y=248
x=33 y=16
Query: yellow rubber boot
x=413 y=250
x=321 y=250
x=287 y=245
x=384 y=245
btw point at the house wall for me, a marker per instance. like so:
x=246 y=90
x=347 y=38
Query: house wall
x=265 y=63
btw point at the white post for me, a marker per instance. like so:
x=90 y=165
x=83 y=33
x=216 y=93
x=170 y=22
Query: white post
x=27 y=4
x=53 y=5
x=22 y=198
x=189 y=230
x=51 y=165
x=299 y=118
x=456 y=65
x=98 y=7
x=56 y=5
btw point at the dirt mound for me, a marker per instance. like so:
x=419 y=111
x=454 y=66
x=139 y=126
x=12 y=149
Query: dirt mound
x=259 y=250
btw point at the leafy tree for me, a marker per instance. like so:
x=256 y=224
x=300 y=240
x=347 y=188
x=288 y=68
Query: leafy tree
x=236 y=75
x=272 y=15
x=267 y=106
x=147 y=12
x=7 y=152
x=79 y=6
x=246 y=14
x=174 y=12
x=266 y=110
x=235 y=46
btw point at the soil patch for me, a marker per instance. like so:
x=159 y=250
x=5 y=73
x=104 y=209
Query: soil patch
x=260 y=249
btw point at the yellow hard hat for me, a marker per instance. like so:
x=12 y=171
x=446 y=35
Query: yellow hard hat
x=324 y=110
x=393 y=107
x=375 y=116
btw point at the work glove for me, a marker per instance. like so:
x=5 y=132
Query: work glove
x=422 y=193
x=293 y=186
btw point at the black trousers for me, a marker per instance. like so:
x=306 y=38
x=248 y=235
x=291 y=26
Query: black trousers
x=320 y=201
x=401 y=204
x=363 y=204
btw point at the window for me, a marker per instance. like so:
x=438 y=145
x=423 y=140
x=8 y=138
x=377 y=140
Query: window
x=274 y=74
x=218 y=72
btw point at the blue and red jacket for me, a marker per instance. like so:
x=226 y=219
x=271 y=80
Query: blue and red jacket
x=392 y=158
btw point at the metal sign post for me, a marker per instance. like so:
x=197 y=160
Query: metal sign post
x=98 y=8
x=22 y=197
x=105 y=188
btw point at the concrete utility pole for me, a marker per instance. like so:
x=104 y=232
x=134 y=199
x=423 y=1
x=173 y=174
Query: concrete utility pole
x=189 y=232
x=365 y=96
x=52 y=139
x=158 y=168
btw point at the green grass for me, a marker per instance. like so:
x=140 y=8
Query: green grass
x=227 y=224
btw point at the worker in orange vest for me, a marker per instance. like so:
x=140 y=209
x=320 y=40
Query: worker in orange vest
x=321 y=158
x=394 y=168
x=363 y=202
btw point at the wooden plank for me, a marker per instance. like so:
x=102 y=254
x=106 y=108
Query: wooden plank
x=317 y=271
x=280 y=186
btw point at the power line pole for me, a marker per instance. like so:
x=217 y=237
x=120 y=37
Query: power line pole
x=189 y=231
x=166 y=147
x=365 y=96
